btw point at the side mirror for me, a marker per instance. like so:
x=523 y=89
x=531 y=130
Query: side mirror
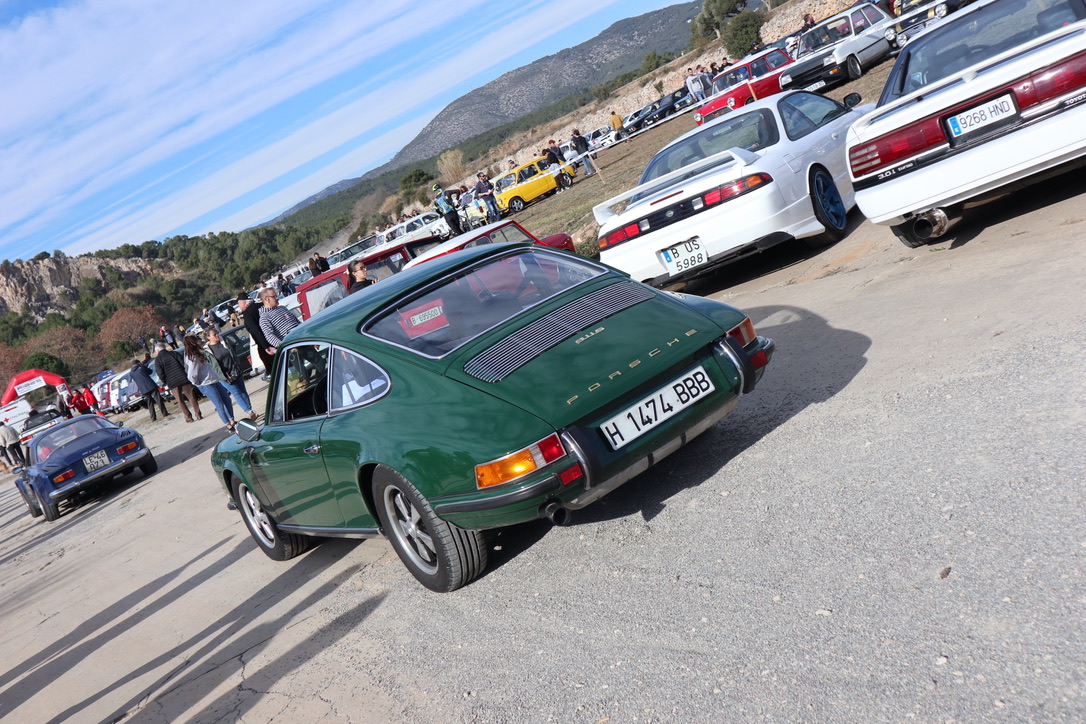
x=852 y=100
x=247 y=430
x=119 y=423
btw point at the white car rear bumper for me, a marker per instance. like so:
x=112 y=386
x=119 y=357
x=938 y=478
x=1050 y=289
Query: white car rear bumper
x=977 y=171
x=747 y=223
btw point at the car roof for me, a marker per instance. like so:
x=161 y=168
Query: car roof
x=457 y=241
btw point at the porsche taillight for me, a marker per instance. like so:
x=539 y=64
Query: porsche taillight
x=520 y=463
x=744 y=334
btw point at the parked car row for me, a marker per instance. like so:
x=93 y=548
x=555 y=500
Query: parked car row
x=990 y=96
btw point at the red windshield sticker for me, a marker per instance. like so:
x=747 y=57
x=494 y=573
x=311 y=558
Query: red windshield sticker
x=424 y=318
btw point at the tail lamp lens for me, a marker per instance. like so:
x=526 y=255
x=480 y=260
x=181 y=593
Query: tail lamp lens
x=66 y=475
x=520 y=463
x=743 y=333
x=125 y=448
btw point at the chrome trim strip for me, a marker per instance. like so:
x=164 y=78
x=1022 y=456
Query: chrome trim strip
x=325 y=532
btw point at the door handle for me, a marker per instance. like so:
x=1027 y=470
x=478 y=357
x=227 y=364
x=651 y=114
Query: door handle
x=312 y=449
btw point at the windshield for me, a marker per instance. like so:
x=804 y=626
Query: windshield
x=823 y=35
x=507 y=181
x=983 y=34
x=462 y=307
x=753 y=131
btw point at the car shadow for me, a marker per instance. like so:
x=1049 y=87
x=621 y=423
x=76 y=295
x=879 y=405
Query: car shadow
x=978 y=219
x=773 y=259
x=813 y=362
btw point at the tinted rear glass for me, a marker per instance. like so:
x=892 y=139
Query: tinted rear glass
x=966 y=40
x=462 y=307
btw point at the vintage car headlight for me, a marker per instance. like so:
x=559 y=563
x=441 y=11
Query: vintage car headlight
x=785 y=80
x=940 y=10
x=889 y=34
x=828 y=60
x=697 y=117
x=731 y=102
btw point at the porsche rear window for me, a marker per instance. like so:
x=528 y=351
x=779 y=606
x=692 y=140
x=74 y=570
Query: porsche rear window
x=461 y=307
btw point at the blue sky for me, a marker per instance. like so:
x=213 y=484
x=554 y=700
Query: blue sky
x=129 y=120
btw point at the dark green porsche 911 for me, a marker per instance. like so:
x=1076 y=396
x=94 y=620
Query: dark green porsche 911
x=486 y=388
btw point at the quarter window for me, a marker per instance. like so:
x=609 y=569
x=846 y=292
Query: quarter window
x=302 y=383
x=355 y=380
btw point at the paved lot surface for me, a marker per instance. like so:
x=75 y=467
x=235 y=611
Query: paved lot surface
x=890 y=528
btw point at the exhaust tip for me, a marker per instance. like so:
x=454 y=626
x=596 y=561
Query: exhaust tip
x=556 y=513
x=932 y=224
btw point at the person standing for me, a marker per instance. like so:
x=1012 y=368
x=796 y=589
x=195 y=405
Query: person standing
x=359 y=276
x=580 y=145
x=170 y=367
x=202 y=374
x=275 y=321
x=167 y=337
x=10 y=440
x=147 y=387
x=226 y=369
x=250 y=316
x=447 y=211
x=616 y=125
x=484 y=191
x=694 y=84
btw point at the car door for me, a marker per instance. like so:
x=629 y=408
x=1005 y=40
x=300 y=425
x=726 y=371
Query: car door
x=870 y=44
x=817 y=125
x=287 y=461
x=538 y=180
x=355 y=420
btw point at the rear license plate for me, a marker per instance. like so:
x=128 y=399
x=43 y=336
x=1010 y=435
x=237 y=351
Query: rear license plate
x=684 y=255
x=985 y=114
x=665 y=403
x=816 y=85
x=96 y=461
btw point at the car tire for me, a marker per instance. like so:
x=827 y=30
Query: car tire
x=564 y=180
x=31 y=503
x=51 y=511
x=855 y=70
x=442 y=556
x=908 y=237
x=276 y=544
x=516 y=205
x=829 y=208
x=149 y=466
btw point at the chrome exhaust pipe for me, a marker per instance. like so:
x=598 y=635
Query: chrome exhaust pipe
x=934 y=223
x=556 y=513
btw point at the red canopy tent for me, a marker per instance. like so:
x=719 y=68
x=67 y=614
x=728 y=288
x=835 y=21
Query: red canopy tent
x=28 y=380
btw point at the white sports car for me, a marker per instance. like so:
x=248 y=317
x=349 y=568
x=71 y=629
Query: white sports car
x=993 y=96
x=773 y=172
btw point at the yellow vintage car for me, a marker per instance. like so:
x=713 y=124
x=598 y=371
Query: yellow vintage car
x=527 y=182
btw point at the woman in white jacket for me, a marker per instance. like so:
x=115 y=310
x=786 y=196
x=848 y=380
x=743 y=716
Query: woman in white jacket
x=201 y=373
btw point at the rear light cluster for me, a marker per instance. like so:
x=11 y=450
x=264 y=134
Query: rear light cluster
x=125 y=448
x=1037 y=88
x=520 y=463
x=744 y=334
x=697 y=204
x=66 y=475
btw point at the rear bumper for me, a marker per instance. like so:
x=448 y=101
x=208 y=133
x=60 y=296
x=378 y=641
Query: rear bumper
x=106 y=473
x=601 y=475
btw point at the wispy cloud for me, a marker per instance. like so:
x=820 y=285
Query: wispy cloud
x=127 y=120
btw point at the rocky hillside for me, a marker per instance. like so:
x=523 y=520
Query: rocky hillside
x=49 y=285
x=618 y=49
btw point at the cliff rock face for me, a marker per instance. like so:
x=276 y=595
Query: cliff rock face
x=788 y=18
x=49 y=285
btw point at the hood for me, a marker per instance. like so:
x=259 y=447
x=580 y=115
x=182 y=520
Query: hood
x=564 y=372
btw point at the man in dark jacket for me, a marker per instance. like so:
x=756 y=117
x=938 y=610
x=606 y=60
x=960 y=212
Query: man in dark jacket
x=170 y=367
x=141 y=375
x=250 y=315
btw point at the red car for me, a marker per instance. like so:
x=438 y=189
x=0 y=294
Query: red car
x=748 y=80
x=502 y=231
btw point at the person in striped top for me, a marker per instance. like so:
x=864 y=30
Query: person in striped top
x=275 y=321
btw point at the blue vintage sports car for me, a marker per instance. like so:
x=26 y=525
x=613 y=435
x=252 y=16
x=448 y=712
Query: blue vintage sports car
x=75 y=455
